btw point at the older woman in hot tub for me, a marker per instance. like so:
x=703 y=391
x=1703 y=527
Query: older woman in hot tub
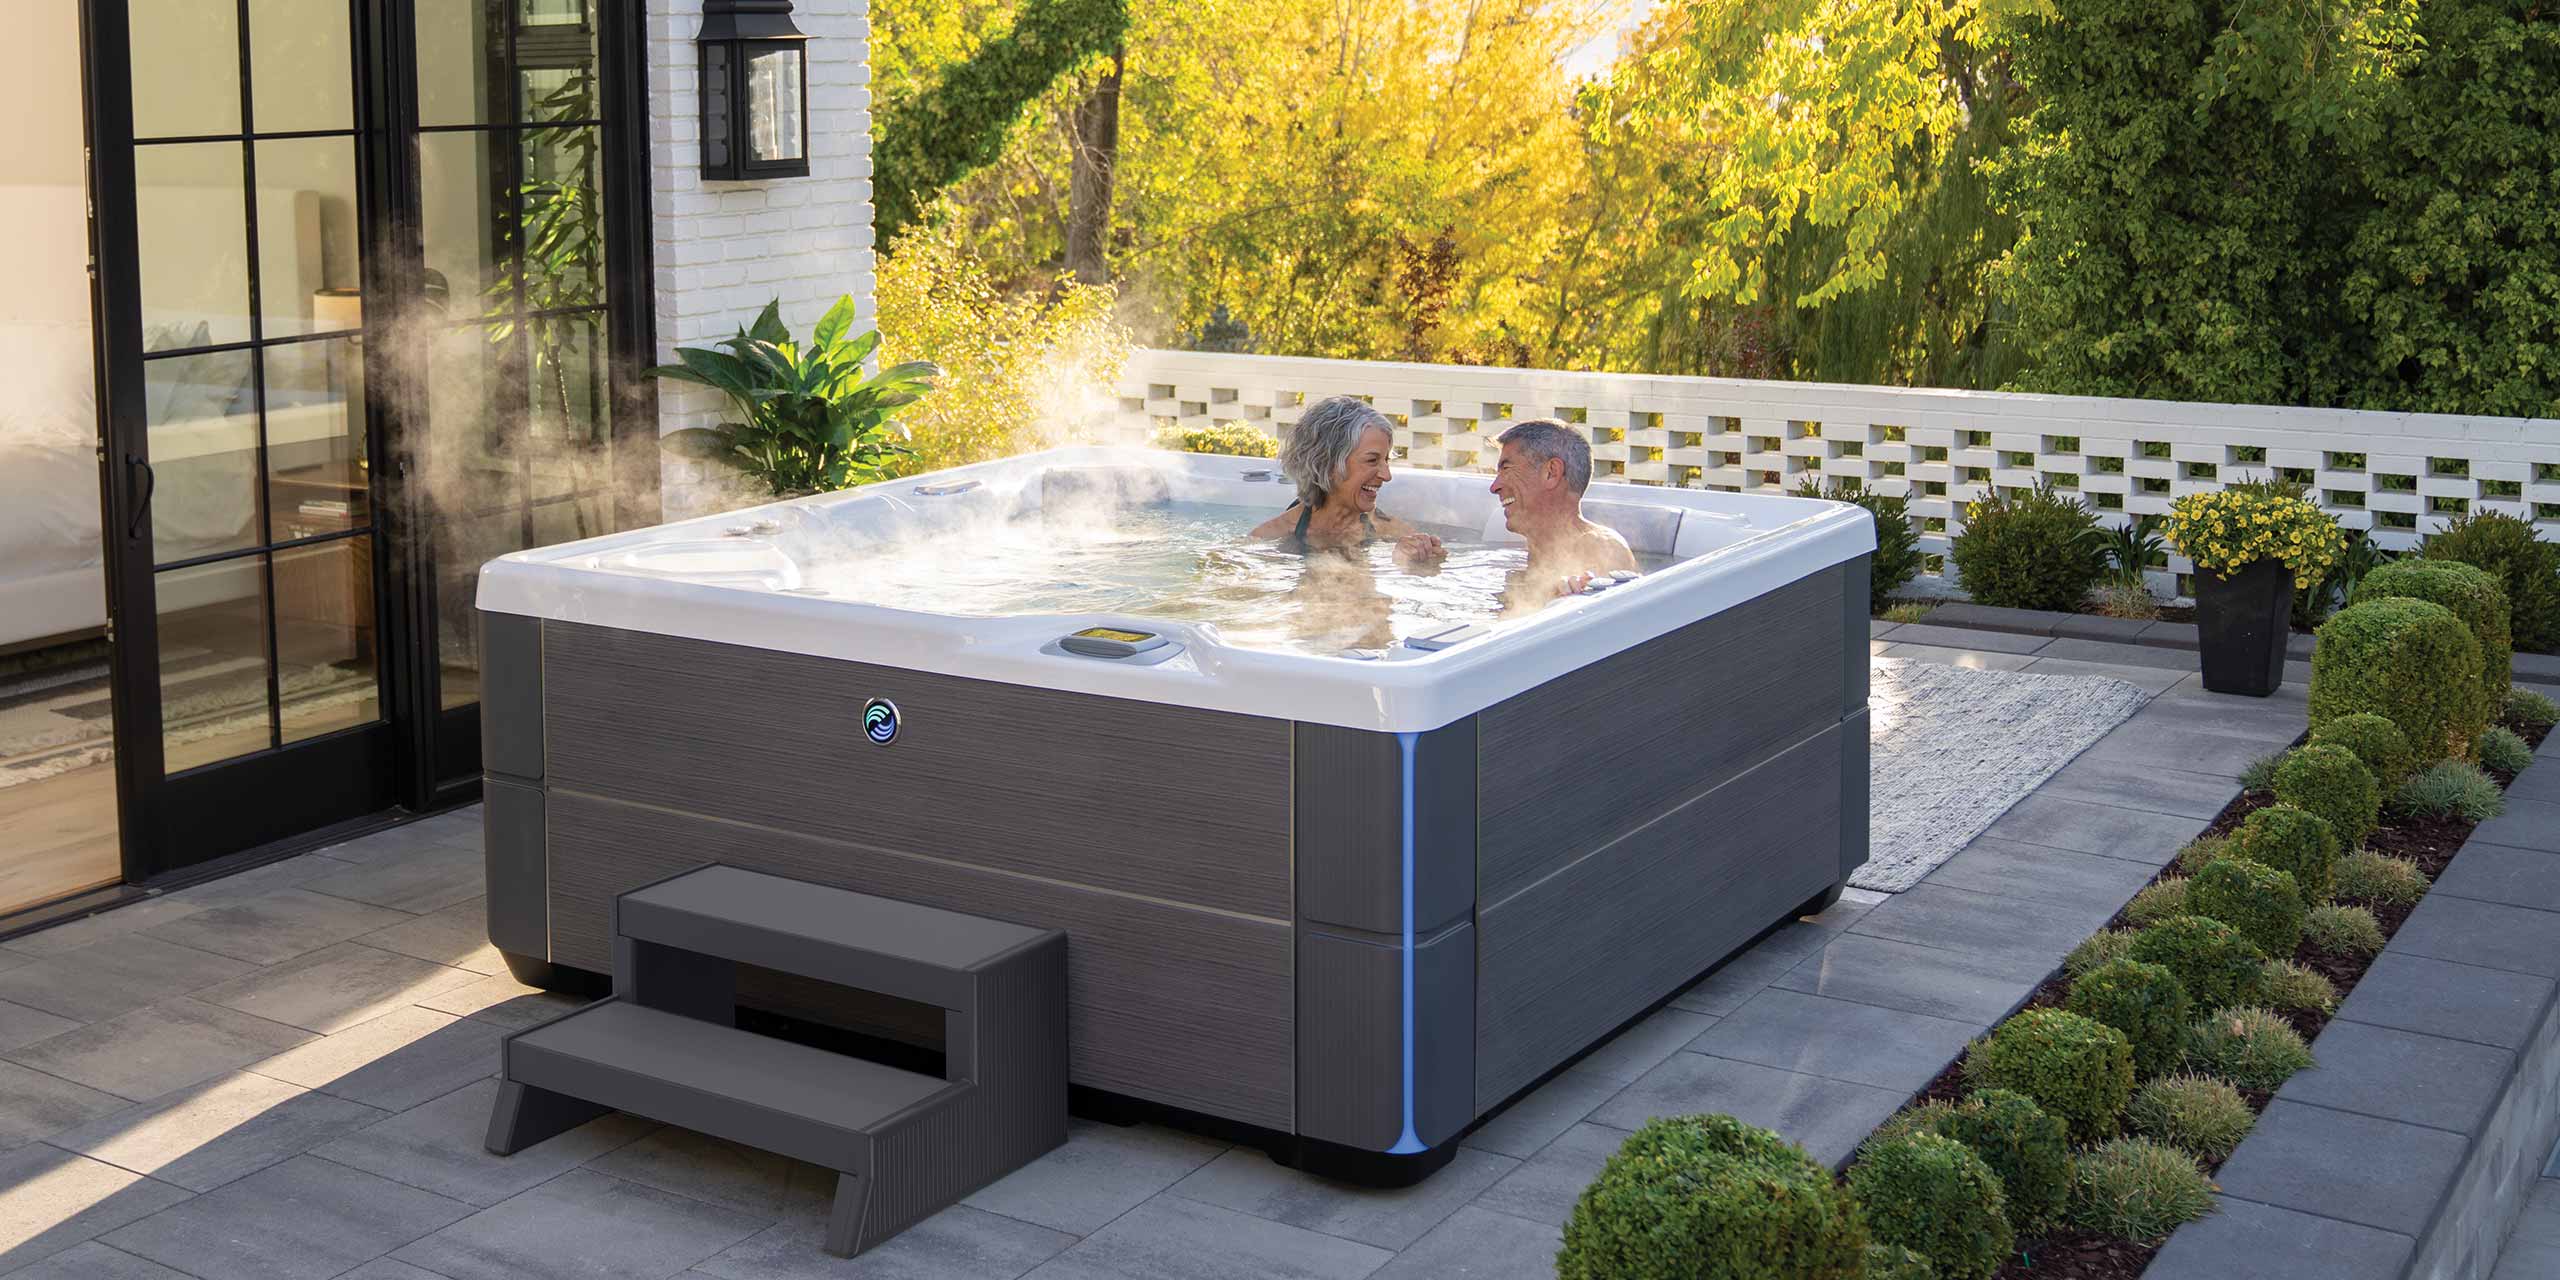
x=1338 y=455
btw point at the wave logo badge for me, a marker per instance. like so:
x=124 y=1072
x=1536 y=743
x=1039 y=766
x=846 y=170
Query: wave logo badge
x=880 y=722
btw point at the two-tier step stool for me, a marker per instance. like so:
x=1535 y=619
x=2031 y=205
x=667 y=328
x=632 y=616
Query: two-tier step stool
x=665 y=1044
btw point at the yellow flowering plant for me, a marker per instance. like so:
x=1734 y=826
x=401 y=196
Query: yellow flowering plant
x=2228 y=530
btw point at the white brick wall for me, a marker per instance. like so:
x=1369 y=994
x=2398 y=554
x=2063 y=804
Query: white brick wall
x=724 y=249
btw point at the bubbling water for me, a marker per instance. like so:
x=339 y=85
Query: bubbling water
x=1190 y=562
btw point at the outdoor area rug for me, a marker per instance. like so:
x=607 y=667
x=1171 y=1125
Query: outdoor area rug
x=1955 y=747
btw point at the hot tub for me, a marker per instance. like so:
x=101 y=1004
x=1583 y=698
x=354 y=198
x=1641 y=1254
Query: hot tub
x=1345 y=889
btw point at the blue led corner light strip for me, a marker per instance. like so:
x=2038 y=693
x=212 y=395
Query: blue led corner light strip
x=1407 y=1143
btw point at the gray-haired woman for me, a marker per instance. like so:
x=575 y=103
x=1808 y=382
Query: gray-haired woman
x=1339 y=456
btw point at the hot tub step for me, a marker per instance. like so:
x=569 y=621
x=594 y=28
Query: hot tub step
x=904 y=1145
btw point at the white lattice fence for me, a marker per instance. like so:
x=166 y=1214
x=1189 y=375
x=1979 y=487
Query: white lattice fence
x=2399 y=475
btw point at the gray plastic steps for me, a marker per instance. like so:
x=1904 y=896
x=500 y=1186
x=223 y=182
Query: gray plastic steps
x=809 y=1104
x=904 y=1145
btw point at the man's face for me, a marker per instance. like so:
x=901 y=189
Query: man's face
x=1525 y=485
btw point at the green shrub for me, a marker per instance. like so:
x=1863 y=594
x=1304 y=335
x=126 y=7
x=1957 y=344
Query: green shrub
x=2502 y=750
x=2145 y=1002
x=2028 y=1149
x=1238 y=439
x=2137 y=1189
x=2202 y=1116
x=2527 y=567
x=2526 y=709
x=2411 y=662
x=2201 y=850
x=2342 y=931
x=2097 y=949
x=2158 y=901
x=2299 y=843
x=2037 y=550
x=2259 y=775
x=2375 y=741
x=2211 y=959
x=2259 y=901
x=2330 y=783
x=2474 y=596
x=2250 y=1047
x=2080 y=1071
x=2372 y=879
x=1893 y=1262
x=2293 y=987
x=1712 y=1198
x=2450 y=789
x=1898 y=557
x=1935 y=1197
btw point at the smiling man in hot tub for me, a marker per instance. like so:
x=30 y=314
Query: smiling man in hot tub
x=1545 y=467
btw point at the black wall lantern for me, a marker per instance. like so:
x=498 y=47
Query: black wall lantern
x=755 y=90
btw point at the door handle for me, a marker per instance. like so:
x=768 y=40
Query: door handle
x=134 y=463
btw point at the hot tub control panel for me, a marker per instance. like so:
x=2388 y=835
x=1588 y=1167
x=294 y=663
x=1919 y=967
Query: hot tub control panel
x=1110 y=642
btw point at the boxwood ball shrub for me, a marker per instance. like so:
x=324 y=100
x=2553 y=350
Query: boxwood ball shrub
x=2145 y=1002
x=2158 y=901
x=2502 y=750
x=1898 y=557
x=2295 y=841
x=2375 y=880
x=2526 y=709
x=2202 y=1116
x=1935 y=1197
x=2450 y=789
x=2474 y=596
x=2329 y=782
x=2411 y=662
x=2259 y=901
x=2097 y=949
x=2078 y=1070
x=2032 y=550
x=2212 y=960
x=1893 y=1262
x=2374 y=740
x=2250 y=1047
x=2342 y=930
x=1712 y=1198
x=2136 y=1189
x=2293 y=987
x=2527 y=567
x=2027 y=1149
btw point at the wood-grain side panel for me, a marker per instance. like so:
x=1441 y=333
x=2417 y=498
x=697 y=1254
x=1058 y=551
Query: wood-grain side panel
x=1603 y=939
x=1581 y=760
x=1170 y=802
x=1185 y=1007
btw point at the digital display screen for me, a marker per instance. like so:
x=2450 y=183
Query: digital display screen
x=1124 y=637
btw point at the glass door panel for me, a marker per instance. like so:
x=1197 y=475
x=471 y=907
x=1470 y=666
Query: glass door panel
x=214 y=674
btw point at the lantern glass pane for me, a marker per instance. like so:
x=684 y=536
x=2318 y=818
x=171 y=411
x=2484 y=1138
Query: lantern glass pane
x=774 y=127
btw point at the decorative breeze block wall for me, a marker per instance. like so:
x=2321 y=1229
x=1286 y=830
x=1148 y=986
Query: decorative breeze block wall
x=725 y=249
x=2400 y=475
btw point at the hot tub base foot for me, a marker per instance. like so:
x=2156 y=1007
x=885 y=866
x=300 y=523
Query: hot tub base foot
x=1821 y=902
x=568 y=979
x=1361 y=1168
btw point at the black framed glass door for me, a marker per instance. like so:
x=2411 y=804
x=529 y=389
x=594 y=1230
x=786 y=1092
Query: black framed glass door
x=366 y=320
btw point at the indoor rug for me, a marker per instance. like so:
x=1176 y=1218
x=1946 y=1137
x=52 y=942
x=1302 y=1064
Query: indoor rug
x=1954 y=747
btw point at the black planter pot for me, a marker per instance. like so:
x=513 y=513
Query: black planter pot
x=2241 y=626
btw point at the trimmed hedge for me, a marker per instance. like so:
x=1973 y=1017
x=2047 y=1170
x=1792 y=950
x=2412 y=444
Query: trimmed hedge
x=2144 y=1001
x=2078 y=1070
x=2036 y=550
x=2330 y=783
x=1898 y=558
x=2212 y=960
x=2411 y=662
x=1893 y=1262
x=1712 y=1198
x=2295 y=841
x=2474 y=596
x=2259 y=901
x=2526 y=567
x=2375 y=741
x=1935 y=1197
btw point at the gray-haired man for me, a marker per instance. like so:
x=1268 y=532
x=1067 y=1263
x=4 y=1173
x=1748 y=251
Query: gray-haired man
x=1544 y=469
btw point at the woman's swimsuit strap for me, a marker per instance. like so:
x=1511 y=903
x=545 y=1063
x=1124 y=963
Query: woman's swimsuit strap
x=1298 y=536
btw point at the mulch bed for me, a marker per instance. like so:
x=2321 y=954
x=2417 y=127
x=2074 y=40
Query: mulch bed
x=2073 y=1254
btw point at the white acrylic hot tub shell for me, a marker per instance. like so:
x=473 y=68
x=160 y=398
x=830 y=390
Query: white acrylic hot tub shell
x=1737 y=546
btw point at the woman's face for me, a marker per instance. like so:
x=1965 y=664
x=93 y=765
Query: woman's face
x=1367 y=470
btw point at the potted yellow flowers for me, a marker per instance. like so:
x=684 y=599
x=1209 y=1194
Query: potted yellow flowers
x=2252 y=545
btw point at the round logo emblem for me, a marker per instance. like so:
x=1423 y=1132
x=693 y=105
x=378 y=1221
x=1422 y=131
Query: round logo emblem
x=880 y=722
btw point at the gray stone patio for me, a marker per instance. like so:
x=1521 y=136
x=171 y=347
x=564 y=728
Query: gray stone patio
x=287 y=1073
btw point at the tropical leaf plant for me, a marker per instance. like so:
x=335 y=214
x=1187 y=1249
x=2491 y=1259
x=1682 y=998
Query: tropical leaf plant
x=810 y=418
